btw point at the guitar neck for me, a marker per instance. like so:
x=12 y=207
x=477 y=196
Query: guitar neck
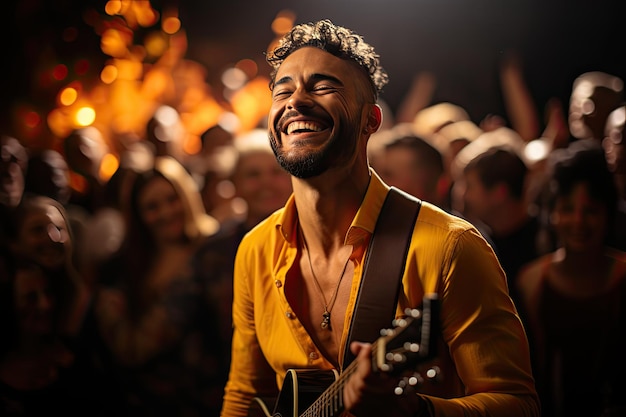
x=404 y=347
x=422 y=347
x=330 y=403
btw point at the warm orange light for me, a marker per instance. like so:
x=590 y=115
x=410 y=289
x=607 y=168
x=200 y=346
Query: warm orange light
x=108 y=166
x=192 y=144
x=144 y=13
x=171 y=25
x=68 y=96
x=114 y=43
x=57 y=121
x=108 y=74
x=155 y=44
x=113 y=7
x=85 y=116
x=249 y=67
x=283 y=22
x=252 y=103
x=78 y=182
x=129 y=69
x=204 y=115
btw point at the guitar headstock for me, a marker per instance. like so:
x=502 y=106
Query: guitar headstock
x=411 y=341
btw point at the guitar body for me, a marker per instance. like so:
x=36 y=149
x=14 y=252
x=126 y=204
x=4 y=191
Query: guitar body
x=300 y=389
x=315 y=393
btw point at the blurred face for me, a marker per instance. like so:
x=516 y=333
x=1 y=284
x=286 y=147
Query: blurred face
x=12 y=166
x=162 y=211
x=34 y=302
x=614 y=146
x=477 y=199
x=402 y=170
x=579 y=221
x=317 y=113
x=43 y=237
x=262 y=183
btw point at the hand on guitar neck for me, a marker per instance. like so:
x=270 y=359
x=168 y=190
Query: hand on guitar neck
x=376 y=383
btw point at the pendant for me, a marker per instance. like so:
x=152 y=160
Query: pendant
x=326 y=320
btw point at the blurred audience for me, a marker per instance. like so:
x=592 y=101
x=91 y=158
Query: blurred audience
x=40 y=372
x=13 y=166
x=48 y=174
x=412 y=164
x=117 y=292
x=495 y=196
x=51 y=358
x=261 y=186
x=574 y=298
x=84 y=150
x=594 y=95
x=158 y=317
x=166 y=133
x=39 y=231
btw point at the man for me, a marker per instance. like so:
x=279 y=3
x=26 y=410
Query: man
x=298 y=272
x=495 y=196
x=594 y=96
x=415 y=166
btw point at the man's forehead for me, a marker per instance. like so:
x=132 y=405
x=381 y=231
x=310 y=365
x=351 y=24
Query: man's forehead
x=310 y=62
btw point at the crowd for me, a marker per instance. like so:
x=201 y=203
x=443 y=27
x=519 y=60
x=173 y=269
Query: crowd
x=116 y=300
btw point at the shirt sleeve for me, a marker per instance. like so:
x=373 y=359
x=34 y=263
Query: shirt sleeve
x=483 y=333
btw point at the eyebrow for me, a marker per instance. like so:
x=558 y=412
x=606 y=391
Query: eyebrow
x=315 y=78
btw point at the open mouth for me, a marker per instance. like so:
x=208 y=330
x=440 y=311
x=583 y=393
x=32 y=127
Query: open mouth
x=303 y=127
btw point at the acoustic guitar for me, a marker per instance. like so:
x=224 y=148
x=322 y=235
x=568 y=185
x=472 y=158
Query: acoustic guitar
x=411 y=341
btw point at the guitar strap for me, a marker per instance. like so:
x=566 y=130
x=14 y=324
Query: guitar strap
x=386 y=256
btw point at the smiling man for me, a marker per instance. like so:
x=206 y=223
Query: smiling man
x=298 y=273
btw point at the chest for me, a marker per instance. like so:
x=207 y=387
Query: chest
x=320 y=298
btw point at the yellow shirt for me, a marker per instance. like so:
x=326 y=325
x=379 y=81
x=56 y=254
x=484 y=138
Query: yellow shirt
x=480 y=328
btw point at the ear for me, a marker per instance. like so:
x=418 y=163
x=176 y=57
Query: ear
x=374 y=119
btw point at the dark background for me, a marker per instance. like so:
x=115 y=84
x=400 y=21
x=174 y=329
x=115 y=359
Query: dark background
x=460 y=41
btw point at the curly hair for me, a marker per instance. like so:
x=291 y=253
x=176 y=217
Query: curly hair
x=336 y=40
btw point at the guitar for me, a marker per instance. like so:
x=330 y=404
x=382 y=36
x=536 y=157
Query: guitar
x=319 y=393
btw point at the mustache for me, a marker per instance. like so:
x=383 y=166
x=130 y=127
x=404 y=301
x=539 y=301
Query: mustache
x=289 y=114
x=283 y=119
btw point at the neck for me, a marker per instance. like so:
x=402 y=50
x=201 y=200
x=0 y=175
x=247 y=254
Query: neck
x=585 y=263
x=327 y=205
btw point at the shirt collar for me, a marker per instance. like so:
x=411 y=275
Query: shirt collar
x=363 y=223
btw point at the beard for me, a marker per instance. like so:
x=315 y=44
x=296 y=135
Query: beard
x=339 y=150
x=305 y=166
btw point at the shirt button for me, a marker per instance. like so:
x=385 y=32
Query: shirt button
x=313 y=355
x=289 y=315
x=278 y=283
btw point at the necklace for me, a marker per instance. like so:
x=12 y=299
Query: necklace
x=328 y=306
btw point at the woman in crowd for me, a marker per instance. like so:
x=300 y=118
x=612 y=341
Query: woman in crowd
x=47 y=362
x=575 y=297
x=155 y=314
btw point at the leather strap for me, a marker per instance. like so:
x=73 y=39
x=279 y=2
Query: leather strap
x=383 y=270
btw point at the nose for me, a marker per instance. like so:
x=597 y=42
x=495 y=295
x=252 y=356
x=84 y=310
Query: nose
x=300 y=98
